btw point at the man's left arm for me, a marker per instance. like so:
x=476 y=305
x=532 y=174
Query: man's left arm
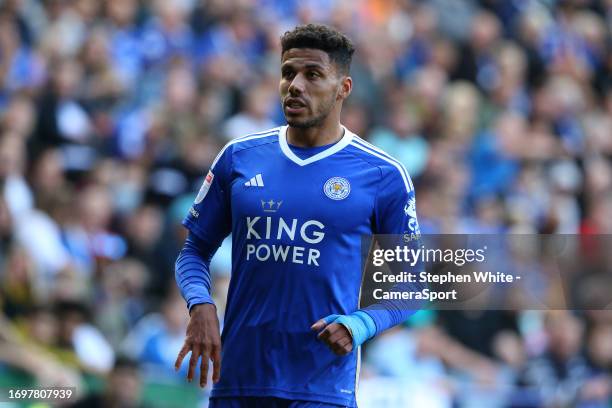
x=394 y=213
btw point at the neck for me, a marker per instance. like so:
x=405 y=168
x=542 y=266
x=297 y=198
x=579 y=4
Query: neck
x=315 y=136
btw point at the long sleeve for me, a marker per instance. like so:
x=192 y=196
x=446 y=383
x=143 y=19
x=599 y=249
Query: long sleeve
x=209 y=222
x=192 y=271
x=395 y=213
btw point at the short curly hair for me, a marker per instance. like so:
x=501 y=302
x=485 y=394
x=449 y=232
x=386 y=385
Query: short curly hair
x=318 y=36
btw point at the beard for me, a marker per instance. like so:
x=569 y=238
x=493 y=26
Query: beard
x=317 y=119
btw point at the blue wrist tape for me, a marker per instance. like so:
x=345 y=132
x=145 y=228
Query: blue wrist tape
x=359 y=324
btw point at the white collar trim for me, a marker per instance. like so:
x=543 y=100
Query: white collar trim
x=341 y=144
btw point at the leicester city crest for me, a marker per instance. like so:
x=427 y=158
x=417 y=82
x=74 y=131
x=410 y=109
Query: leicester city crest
x=337 y=188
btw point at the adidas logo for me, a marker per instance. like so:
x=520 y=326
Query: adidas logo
x=256 y=181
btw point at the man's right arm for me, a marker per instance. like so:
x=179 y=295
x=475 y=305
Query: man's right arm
x=208 y=222
x=202 y=338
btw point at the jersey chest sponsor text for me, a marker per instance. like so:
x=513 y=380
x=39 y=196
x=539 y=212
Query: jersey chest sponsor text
x=272 y=239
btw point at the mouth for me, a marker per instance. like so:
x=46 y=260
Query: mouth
x=294 y=106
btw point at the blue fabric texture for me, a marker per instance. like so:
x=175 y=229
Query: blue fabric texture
x=192 y=271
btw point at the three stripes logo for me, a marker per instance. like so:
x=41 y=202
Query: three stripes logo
x=256 y=181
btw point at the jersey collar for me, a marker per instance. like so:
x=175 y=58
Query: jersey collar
x=341 y=144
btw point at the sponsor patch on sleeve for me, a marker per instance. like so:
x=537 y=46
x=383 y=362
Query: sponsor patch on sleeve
x=205 y=187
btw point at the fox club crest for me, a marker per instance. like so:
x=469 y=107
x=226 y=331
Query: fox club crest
x=337 y=188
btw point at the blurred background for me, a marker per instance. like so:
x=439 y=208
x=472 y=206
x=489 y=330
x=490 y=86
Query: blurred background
x=111 y=113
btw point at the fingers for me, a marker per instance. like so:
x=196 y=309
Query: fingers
x=324 y=335
x=204 y=369
x=343 y=346
x=319 y=325
x=340 y=333
x=202 y=352
x=204 y=341
x=331 y=330
x=216 y=359
x=181 y=356
x=215 y=356
x=337 y=338
x=193 y=361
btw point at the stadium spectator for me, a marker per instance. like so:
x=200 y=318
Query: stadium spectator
x=122 y=390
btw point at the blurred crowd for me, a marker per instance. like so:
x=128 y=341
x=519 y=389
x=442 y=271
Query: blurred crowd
x=111 y=113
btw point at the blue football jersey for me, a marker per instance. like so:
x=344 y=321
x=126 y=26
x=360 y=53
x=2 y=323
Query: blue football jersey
x=297 y=217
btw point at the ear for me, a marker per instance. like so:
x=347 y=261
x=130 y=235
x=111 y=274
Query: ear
x=346 y=86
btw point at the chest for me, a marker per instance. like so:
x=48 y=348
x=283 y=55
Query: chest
x=337 y=193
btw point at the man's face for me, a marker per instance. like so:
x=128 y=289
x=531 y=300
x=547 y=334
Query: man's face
x=309 y=87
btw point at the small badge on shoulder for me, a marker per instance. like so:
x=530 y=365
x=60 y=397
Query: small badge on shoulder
x=205 y=187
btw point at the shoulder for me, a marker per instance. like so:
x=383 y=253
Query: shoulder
x=255 y=139
x=248 y=142
x=389 y=166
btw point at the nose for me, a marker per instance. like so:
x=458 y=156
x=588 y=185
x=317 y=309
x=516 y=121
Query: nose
x=296 y=87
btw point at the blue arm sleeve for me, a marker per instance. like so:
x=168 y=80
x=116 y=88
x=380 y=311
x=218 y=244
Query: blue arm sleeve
x=208 y=222
x=192 y=271
x=395 y=213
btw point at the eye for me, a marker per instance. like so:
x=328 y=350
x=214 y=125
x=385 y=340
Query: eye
x=313 y=74
x=287 y=73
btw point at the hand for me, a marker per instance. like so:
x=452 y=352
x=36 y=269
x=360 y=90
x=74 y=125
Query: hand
x=203 y=340
x=335 y=335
